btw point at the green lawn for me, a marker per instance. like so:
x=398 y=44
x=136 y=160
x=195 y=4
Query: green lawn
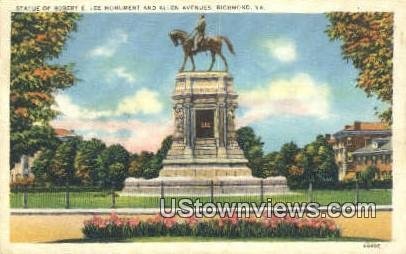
x=168 y=239
x=103 y=199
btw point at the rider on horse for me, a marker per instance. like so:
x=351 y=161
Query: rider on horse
x=199 y=35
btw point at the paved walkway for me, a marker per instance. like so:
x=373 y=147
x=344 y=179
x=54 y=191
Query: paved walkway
x=55 y=227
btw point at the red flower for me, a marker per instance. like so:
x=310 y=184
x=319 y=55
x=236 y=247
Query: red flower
x=234 y=219
x=134 y=222
x=169 y=222
x=192 y=220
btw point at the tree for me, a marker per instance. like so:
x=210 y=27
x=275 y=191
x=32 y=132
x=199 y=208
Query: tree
x=147 y=164
x=36 y=38
x=270 y=167
x=368 y=42
x=163 y=151
x=140 y=163
x=135 y=166
x=118 y=172
x=62 y=165
x=152 y=169
x=252 y=147
x=41 y=165
x=286 y=158
x=30 y=141
x=317 y=163
x=86 y=160
x=111 y=155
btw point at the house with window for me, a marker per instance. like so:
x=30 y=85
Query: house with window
x=351 y=138
x=378 y=154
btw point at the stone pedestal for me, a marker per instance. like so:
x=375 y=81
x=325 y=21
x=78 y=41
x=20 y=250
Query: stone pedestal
x=204 y=146
x=204 y=143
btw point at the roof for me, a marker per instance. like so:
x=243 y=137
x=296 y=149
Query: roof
x=377 y=146
x=364 y=128
x=367 y=126
x=59 y=132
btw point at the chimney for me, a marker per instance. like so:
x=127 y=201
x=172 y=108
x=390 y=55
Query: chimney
x=347 y=127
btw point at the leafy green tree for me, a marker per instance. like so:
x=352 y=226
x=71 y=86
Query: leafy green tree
x=253 y=150
x=135 y=166
x=318 y=165
x=86 y=160
x=368 y=43
x=118 y=173
x=147 y=164
x=270 y=164
x=152 y=170
x=30 y=141
x=163 y=151
x=111 y=155
x=36 y=38
x=286 y=158
x=62 y=165
x=141 y=162
x=41 y=165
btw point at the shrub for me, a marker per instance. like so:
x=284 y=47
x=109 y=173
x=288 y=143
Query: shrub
x=114 y=227
x=368 y=175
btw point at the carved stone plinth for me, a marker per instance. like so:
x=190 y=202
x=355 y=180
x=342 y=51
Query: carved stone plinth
x=204 y=140
x=204 y=147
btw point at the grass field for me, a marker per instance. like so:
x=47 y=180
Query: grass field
x=103 y=199
x=214 y=239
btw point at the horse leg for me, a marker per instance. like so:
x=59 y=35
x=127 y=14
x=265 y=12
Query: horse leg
x=213 y=59
x=184 y=63
x=224 y=60
x=193 y=62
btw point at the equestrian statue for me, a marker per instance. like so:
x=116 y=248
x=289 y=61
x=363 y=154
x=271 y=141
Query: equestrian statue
x=198 y=42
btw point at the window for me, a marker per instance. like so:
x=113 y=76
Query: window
x=205 y=123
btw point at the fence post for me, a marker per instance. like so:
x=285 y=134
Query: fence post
x=262 y=191
x=67 y=205
x=310 y=192
x=211 y=191
x=25 y=197
x=162 y=190
x=113 y=197
x=356 y=192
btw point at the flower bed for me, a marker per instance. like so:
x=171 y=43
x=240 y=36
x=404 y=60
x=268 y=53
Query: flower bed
x=115 y=227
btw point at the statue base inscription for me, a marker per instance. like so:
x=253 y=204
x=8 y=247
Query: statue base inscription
x=205 y=149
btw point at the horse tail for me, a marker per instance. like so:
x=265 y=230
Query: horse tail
x=229 y=44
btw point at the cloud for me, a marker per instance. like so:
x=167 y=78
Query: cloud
x=133 y=134
x=282 y=49
x=299 y=96
x=143 y=101
x=140 y=136
x=109 y=48
x=123 y=73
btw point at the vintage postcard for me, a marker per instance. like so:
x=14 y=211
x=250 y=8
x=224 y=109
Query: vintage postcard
x=174 y=126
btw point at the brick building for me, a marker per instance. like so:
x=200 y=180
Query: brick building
x=378 y=154
x=353 y=137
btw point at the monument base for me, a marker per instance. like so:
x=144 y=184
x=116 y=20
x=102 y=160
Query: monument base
x=221 y=185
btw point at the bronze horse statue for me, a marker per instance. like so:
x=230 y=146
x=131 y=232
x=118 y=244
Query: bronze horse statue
x=212 y=44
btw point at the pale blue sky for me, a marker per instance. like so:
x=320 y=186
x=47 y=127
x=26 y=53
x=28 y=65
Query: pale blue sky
x=126 y=65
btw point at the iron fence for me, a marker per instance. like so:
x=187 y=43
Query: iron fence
x=89 y=197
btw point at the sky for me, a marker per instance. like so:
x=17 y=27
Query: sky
x=291 y=79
